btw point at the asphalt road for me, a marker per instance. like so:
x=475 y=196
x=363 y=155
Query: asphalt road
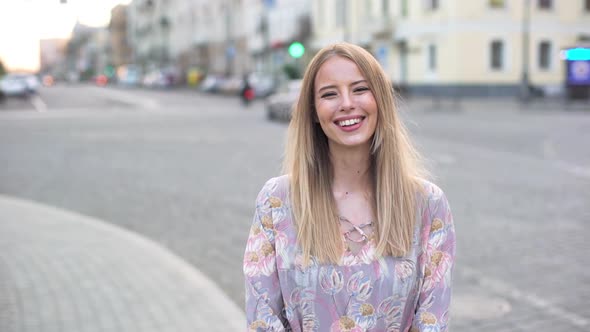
x=184 y=169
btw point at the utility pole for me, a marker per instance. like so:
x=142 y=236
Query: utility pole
x=525 y=93
x=266 y=6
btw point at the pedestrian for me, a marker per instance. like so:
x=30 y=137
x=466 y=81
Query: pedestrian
x=353 y=237
x=247 y=93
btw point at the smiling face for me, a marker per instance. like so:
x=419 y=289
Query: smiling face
x=345 y=105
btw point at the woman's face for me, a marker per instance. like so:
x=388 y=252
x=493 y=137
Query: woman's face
x=345 y=105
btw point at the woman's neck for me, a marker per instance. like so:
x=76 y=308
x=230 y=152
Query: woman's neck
x=351 y=171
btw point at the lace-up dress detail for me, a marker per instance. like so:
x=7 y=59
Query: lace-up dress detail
x=355 y=236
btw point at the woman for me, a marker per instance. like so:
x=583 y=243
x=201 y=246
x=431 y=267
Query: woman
x=352 y=238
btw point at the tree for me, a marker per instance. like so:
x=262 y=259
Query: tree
x=2 y=69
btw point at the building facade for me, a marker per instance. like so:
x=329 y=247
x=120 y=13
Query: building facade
x=148 y=32
x=52 y=54
x=225 y=37
x=120 y=50
x=452 y=47
x=87 y=52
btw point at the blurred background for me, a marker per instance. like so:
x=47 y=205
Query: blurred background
x=130 y=162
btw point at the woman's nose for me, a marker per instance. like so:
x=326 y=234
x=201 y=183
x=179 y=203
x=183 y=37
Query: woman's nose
x=346 y=103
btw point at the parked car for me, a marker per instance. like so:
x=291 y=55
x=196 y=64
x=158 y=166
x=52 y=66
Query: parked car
x=33 y=82
x=280 y=105
x=161 y=78
x=210 y=83
x=19 y=85
x=263 y=85
x=129 y=75
x=231 y=85
x=155 y=79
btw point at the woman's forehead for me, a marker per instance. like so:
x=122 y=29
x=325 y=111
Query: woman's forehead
x=339 y=69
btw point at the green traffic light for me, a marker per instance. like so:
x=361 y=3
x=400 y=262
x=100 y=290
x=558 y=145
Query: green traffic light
x=296 y=50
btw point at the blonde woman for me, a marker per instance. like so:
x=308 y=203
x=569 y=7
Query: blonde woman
x=352 y=238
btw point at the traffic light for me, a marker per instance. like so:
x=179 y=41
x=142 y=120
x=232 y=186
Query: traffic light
x=296 y=50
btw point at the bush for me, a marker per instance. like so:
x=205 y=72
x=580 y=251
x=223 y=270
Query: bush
x=292 y=71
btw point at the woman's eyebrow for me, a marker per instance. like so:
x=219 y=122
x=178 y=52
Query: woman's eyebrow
x=326 y=87
x=334 y=86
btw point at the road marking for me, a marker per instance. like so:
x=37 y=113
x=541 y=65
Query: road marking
x=124 y=97
x=507 y=290
x=572 y=169
x=583 y=172
x=38 y=103
x=469 y=306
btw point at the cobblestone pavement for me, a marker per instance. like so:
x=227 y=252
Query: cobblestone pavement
x=185 y=171
x=62 y=272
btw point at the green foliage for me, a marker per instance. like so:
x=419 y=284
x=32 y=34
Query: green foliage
x=292 y=71
x=87 y=74
x=2 y=69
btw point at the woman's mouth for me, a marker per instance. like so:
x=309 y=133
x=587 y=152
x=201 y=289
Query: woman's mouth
x=350 y=124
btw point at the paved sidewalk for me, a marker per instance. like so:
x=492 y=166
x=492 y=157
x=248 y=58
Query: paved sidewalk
x=64 y=272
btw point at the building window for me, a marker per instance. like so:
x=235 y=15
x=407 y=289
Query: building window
x=430 y=4
x=434 y=4
x=545 y=4
x=497 y=3
x=497 y=55
x=544 y=55
x=432 y=57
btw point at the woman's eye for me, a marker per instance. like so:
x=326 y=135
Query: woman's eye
x=328 y=94
x=361 y=89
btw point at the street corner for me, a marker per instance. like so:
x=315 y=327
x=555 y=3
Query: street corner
x=62 y=271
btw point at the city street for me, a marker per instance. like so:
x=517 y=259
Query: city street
x=183 y=169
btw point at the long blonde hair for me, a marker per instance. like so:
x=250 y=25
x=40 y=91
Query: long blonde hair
x=396 y=169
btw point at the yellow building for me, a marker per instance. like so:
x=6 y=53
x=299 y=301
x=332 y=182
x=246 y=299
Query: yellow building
x=453 y=47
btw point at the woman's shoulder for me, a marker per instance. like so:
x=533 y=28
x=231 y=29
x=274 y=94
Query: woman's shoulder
x=277 y=187
x=430 y=196
x=430 y=191
x=277 y=184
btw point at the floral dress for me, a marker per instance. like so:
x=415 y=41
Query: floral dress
x=362 y=293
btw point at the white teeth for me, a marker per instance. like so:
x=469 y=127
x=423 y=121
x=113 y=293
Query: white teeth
x=349 y=122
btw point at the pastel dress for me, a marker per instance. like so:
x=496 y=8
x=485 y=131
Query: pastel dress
x=363 y=292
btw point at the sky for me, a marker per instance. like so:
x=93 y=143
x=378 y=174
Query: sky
x=24 y=22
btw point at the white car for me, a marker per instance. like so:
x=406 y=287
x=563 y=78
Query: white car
x=280 y=105
x=33 y=82
x=15 y=85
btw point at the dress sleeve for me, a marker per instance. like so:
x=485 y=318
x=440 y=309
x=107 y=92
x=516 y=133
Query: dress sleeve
x=432 y=312
x=264 y=303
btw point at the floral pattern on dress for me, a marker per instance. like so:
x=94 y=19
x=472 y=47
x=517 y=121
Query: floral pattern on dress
x=362 y=293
